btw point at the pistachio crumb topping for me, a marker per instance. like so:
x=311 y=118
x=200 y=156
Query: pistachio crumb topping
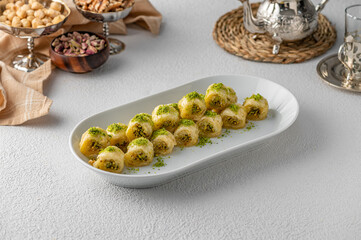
x=159 y=132
x=256 y=97
x=231 y=91
x=234 y=107
x=116 y=127
x=175 y=105
x=142 y=117
x=210 y=113
x=163 y=109
x=95 y=131
x=217 y=86
x=110 y=149
x=139 y=142
x=186 y=122
x=194 y=95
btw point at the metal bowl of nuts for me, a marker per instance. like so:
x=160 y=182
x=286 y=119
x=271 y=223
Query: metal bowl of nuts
x=79 y=52
x=105 y=11
x=31 y=19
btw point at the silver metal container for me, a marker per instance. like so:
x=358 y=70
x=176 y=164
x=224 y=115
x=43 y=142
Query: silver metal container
x=115 y=45
x=287 y=20
x=28 y=61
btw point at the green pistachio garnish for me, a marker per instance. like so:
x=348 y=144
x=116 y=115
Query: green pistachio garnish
x=231 y=91
x=163 y=109
x=186 y=122
x=110 y=149
x=139 y=142
x=175 y=105
x=225 y=134
x=234 y=107
x=250 y=126
x=203 y=141
x=116 y=127
x=159 y=132
x=256 y=97
x=160 y=162
x=142 y=117
x=95 y=131
x=194 y=95
x=210 y=113
x=217 y=86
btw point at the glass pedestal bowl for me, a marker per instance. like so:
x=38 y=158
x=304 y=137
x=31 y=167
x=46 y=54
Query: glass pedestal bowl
x=115 y=45
x=28 y=61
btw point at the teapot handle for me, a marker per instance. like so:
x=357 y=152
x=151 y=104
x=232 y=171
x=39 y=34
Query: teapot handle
x=321 y=5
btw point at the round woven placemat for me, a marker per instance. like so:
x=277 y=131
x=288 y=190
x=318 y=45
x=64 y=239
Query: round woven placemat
x=230 y=34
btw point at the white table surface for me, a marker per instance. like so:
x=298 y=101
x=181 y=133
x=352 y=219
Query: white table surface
x=306 y=184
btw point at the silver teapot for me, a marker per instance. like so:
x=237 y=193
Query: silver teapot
x=284 y=20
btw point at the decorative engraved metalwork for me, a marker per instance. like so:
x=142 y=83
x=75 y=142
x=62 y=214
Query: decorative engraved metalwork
x=350 y=51
x=116 y=46
x=334 y=73
x=28 y=61
x=288 y=20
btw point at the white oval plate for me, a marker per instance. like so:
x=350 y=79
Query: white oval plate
x=283 y=112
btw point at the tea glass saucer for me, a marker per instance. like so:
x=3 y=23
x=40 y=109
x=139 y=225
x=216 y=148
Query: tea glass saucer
x=333 y=72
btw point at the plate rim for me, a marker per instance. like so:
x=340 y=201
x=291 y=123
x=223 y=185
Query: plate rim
x=176 y=171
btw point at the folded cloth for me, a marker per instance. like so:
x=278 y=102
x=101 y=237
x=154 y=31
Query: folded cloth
x=21 y=94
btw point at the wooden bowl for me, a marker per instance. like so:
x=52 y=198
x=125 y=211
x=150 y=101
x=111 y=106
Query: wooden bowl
x=80 y=64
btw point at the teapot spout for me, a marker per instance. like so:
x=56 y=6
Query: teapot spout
x=321 y=5
x=251 y=23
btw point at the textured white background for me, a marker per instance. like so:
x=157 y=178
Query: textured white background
x=305 y=185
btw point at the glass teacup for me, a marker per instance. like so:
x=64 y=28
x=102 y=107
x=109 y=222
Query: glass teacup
x=350 y=51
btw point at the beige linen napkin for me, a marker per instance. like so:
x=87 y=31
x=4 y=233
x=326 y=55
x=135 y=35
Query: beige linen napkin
x=21 y=94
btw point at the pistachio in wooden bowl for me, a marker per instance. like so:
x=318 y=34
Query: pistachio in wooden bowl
x=79 y=52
